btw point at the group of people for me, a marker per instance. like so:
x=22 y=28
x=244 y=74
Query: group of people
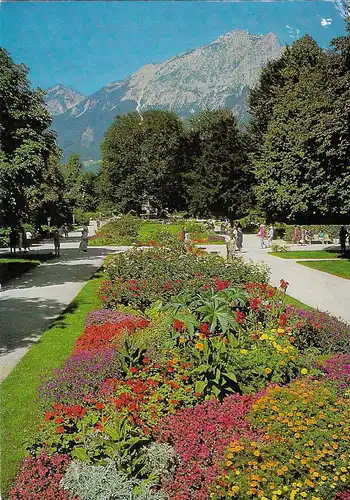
x=21 y=239
x=303 y=236
x=63 y=231
x=234 y=240
x=265 y=235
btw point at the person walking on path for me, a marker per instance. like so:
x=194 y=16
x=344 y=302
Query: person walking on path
x=239 y=241
x=228 y=241
x=56 y=242
x=261 y=235
x=28 y=239
x=270 y=236
x=84 y=240
x=20 y=240
x=296 y=237
x=13 y=241
x=342 y=239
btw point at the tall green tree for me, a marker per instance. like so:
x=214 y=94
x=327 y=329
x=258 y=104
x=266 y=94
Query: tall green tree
x=218 y=180
x=73 y=174
x=27 y=144
x=142 y=158
x=302 y=161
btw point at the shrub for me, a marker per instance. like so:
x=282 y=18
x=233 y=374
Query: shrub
x=127 y=226
x=96 y=482
x=39 y=478
x=304 y=452
x=5 y=236
x=200 y=437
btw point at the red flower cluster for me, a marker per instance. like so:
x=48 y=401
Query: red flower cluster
x=96 y=337
x=345 y=495
x=240 y=317
x=39 y=479
x=62 y=412
x=284 y=285
x=200 y=436
x=221 y=285
x=254 y=304
x=179 y=325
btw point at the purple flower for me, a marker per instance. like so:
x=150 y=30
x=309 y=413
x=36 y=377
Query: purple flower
x=338 y=370
x=81 y=374
x=332 y=335
x=103 y=316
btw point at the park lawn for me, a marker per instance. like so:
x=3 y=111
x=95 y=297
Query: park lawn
x=296 y=303
x=306 y=254
x=149 y=230
x=339 y=268
x=20 y=414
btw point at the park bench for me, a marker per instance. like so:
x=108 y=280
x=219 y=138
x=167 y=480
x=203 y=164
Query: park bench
x=317 y=239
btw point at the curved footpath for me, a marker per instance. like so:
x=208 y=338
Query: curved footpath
x=316 y=288
x=30 y=303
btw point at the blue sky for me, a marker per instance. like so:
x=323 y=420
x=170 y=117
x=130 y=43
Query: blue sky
x=88 y=44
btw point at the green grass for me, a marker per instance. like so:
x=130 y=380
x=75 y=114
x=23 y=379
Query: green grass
x=339 y=268
x=296 y=303
x=20 y=414
x=306 y=254
x=147 y=230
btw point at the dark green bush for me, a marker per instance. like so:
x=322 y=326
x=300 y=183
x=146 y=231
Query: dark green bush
x=127 y=226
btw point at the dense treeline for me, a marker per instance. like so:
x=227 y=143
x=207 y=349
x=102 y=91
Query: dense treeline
x=291 y=161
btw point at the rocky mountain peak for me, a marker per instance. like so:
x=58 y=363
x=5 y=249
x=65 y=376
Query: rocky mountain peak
x=216 y=75
x=61 y=98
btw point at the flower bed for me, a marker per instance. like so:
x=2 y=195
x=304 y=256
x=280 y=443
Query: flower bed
x=214 y=388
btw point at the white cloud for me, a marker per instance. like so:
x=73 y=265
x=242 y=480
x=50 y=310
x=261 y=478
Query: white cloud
x=326 y=21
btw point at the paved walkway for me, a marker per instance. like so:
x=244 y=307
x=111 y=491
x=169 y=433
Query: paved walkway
x=315 y=288
x=29 y=303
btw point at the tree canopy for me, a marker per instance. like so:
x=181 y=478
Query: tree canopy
x=217 y=180
x=28 y=172
x=142 y=157
x=302 y=158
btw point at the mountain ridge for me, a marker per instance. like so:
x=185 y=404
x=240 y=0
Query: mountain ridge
x=212 y=76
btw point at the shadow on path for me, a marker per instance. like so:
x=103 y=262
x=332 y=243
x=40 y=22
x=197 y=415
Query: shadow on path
x=69 y=267
x=25 y=318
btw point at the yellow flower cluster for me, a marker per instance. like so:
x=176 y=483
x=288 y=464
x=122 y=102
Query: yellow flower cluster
x=304 y=452
x=281 y=344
